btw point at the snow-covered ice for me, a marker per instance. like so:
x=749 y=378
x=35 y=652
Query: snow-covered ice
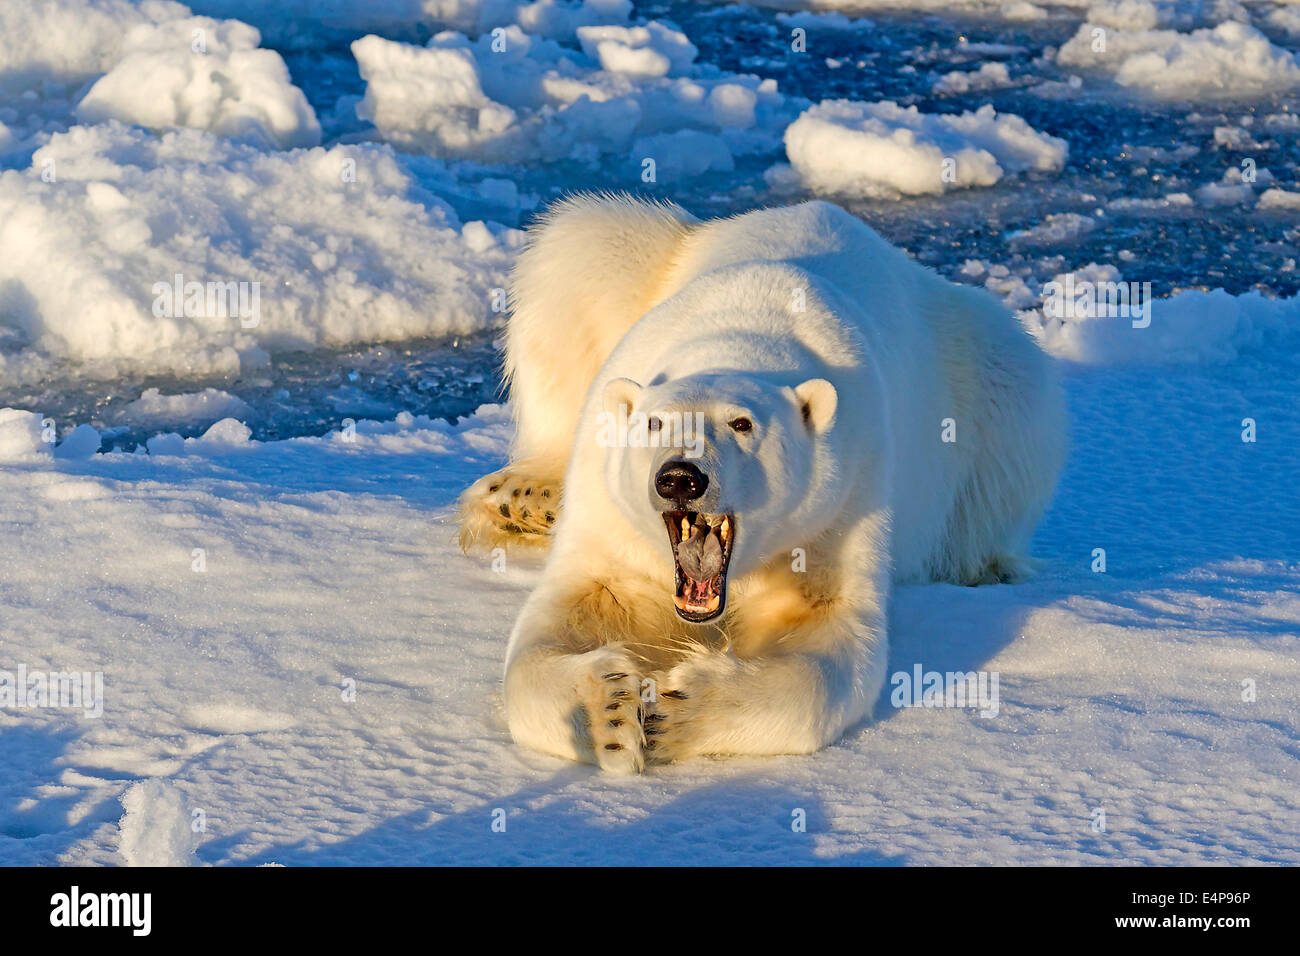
x=291 y=641
x=206 y=74
x=510 y=95
x=1231 y=60
x=230 y=497
x=882 y=149
x=331 y=246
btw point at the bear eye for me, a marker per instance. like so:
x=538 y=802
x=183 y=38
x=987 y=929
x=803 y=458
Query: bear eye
x=741 y=424
x=654 y=423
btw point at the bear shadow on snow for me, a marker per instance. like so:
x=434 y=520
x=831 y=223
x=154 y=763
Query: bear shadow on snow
x=34 y=827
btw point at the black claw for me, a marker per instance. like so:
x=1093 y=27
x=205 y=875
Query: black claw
x=620 y=694
x=673 y=695
x=613 y=746
x=528 y=491
x=613 y=675
x=492 y=488
x=651 y=732
x=504 y=510
x=613 y=706
x=618 y=722
x=654 y=716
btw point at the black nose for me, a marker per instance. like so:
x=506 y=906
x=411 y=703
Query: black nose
x=680 y=481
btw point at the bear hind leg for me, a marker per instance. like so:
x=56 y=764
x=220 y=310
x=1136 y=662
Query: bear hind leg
x=517 y=505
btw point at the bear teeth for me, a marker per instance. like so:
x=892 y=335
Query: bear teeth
x=699 y=599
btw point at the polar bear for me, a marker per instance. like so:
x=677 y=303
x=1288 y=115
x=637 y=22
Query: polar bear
x=734 y=435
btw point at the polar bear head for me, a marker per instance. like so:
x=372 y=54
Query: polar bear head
x=720 y=471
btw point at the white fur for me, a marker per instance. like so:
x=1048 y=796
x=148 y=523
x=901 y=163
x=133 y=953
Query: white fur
x=846 y=463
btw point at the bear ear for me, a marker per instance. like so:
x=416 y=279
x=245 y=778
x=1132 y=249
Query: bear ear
x=620 y=391
x=817 y=400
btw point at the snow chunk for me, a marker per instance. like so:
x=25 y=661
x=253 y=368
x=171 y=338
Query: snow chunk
x=82 y=442
x=210 y=405
x=884 y=150
x=429 y=97
x=1278 y=199
x=1188 y=328
x=1234 y=188
x=1056 y=229
x=228 y=431
x=1021 y=11
x=686 y=152
x=1231 y=60
x=1125 y=14
x=204 y=73
x=1170 y=202
x=645 y=52
x=170 y=443
x=1286 y=19
x=990 y=76
x=303 y=24
x=155 y=829
x=322 y=247
x=66 y=42
x=546 y=17
x=21 y=435
x=513 y=95
x=824 y=21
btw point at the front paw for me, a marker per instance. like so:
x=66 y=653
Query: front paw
x=685 y=718
x=610 y=694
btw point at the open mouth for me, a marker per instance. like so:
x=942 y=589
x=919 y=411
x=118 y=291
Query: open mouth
x=701 y=546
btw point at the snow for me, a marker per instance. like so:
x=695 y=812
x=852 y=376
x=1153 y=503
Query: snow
x=299 y=666
x=512 y=94
x=1279 y=199
x=211 y=404
x=151 y=64
x=1286 y=19
x=643 y=52
x=338 y=242
x=156 y=828
x=206 y=74
x=1190 y=327
x=21 y=435
x=65 y=42
x=823 y=21
x=882 y=149
x=234 y=694
x=312 y=23
x=82 y=442
x=1231 y=60
x=990 y=76
x=1056 y=229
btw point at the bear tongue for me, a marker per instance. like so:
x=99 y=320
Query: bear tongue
x=700 y=557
